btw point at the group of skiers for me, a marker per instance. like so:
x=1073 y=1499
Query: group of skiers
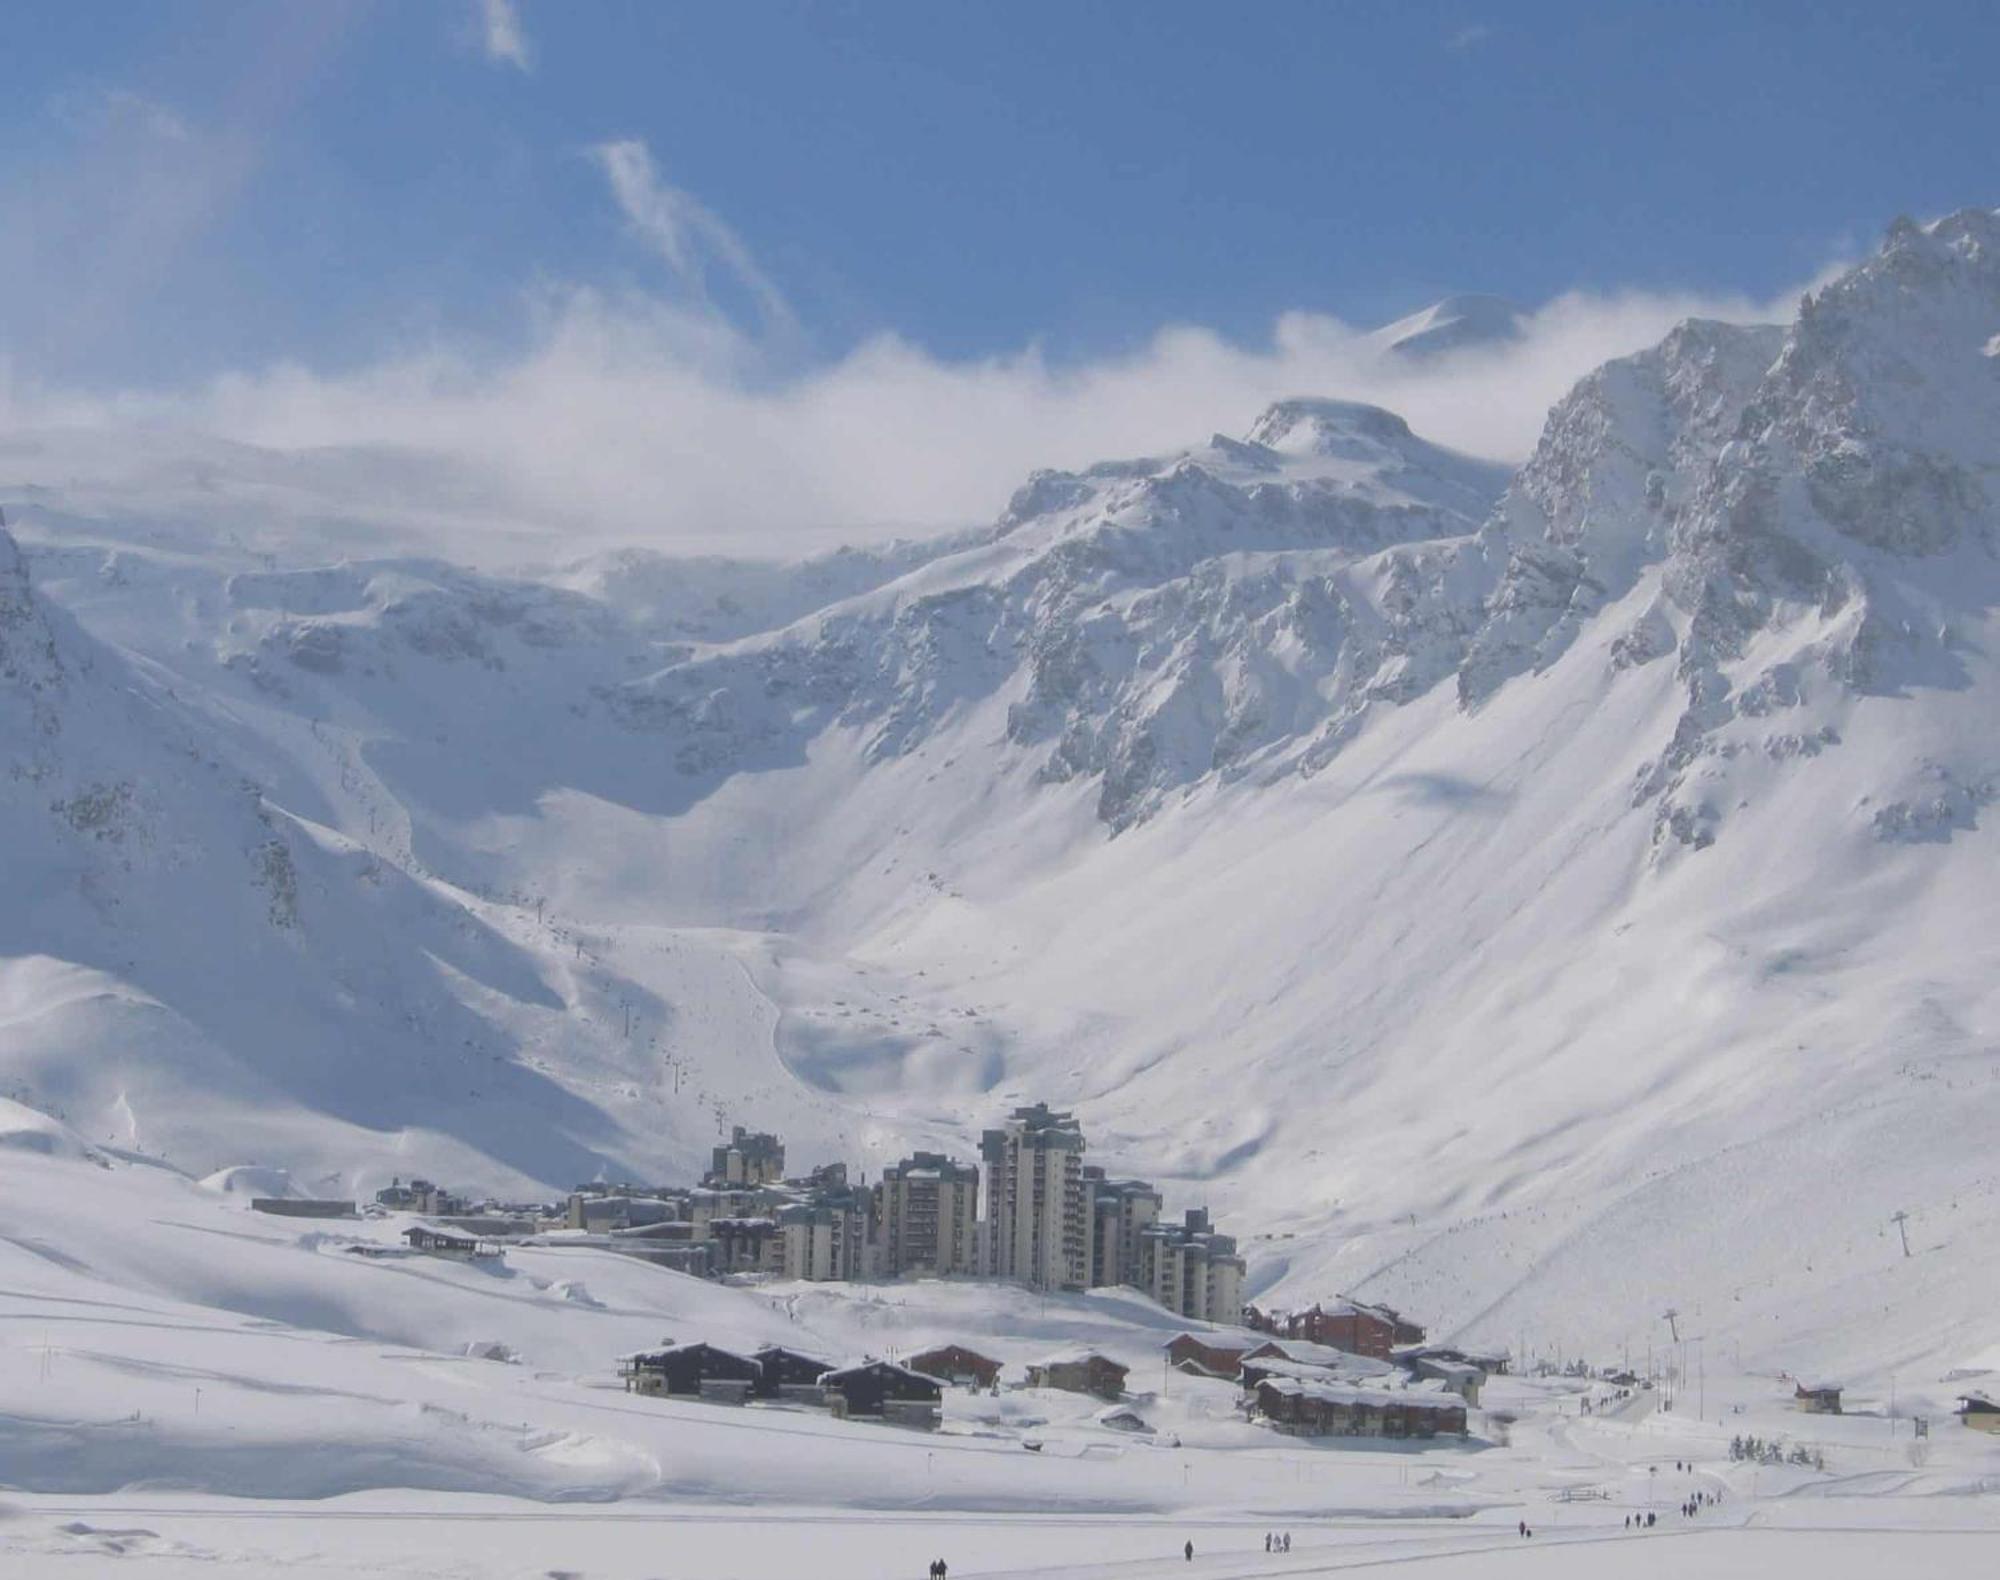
x=938 y=1569
x=1274 y=1542
x=1690 y=1507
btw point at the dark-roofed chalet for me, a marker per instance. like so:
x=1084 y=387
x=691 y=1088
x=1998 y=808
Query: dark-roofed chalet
x=1187 y=1353
x=954 y=1363
x=1079 y=1371
x=781 y=1365
x=1818 y=1397
x=782 y=1371
x=437 y=1242
x=1980 y=1411
x=682 y=1369
x=883 y=1388
x=1331 y=1409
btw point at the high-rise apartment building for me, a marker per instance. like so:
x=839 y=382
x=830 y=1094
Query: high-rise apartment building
x=927 y=1217
x=1038 y=1227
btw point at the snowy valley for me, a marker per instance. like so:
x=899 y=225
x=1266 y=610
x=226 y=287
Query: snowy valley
x=1536 y=899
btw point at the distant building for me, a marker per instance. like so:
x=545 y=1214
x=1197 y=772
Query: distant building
x=1459 y=1377
x=1186 y=1352
x=954 y=1363
x=1343 y=1324
x=293 y=1207
x=1037 y=1219
x=1079 y=1371
x=1335 y=1409
x=1120 y=1213
x=460 y=1247
x=825 y=1238
x=882 y=1388
x=789 y=1374
x=927 y=1207
x=420 y=1195
x=691 y=1370
x=747 y=1158
x=1191 y=1270
x=1817 y=1398
x=1980 y=1411
x=747 y=1245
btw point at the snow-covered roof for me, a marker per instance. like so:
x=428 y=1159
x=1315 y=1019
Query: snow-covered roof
x=683 y=1349
x=1328 y=1355
x=1348 y=1394
x=876 y=1364
x=1303 y=1371
x=1078 y=1355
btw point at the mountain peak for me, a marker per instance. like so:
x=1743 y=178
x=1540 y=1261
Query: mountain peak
x=1453 y=324
x=1311 y=425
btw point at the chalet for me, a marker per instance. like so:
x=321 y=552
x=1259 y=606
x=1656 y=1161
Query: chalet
x=1817 y=1398
x=956 y=1364
x=1189 y=1354
x=293 y=1207
x=1079 y=1371
x=1331 y=1409
x=1344 y=1324
x=461 y=1247
x=691 y=1371
x=790 y=1374
x=882 y=1388
x=1323 y=1356
x=1980 y=1411
x=1459 y=1377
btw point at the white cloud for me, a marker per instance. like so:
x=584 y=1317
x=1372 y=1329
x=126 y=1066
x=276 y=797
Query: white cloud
x=634 y=421
x=689 y=419
x=1468 y=37
x=501 y=35
x=693 y=242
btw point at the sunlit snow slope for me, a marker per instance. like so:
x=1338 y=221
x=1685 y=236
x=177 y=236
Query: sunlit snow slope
x=1535 y=901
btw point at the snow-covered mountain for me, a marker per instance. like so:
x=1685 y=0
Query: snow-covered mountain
x=1457 y=323
x=1532 y=899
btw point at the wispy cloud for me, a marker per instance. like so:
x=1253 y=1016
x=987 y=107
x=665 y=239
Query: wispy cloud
x=1469 y=37
x=634 y=421
x=502 y=37
x=698 y=247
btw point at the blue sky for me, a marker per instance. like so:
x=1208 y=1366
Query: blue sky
x=198 y=189
x=975 y=176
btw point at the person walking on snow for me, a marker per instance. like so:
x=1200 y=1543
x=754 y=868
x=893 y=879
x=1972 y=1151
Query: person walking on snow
x=1188 y=1552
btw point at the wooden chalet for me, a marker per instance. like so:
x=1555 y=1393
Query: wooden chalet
x=691 y=1371
x=956 y=1364
x=1980 y=1411
x=1332 y=1409
x=293 y=1207
x=1343 y=1324
x=1079 y=1371
x=1186 y=1353
x=882 y=1388
x=781 y=1371
x=1817 y=1398
x=441 y=1242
